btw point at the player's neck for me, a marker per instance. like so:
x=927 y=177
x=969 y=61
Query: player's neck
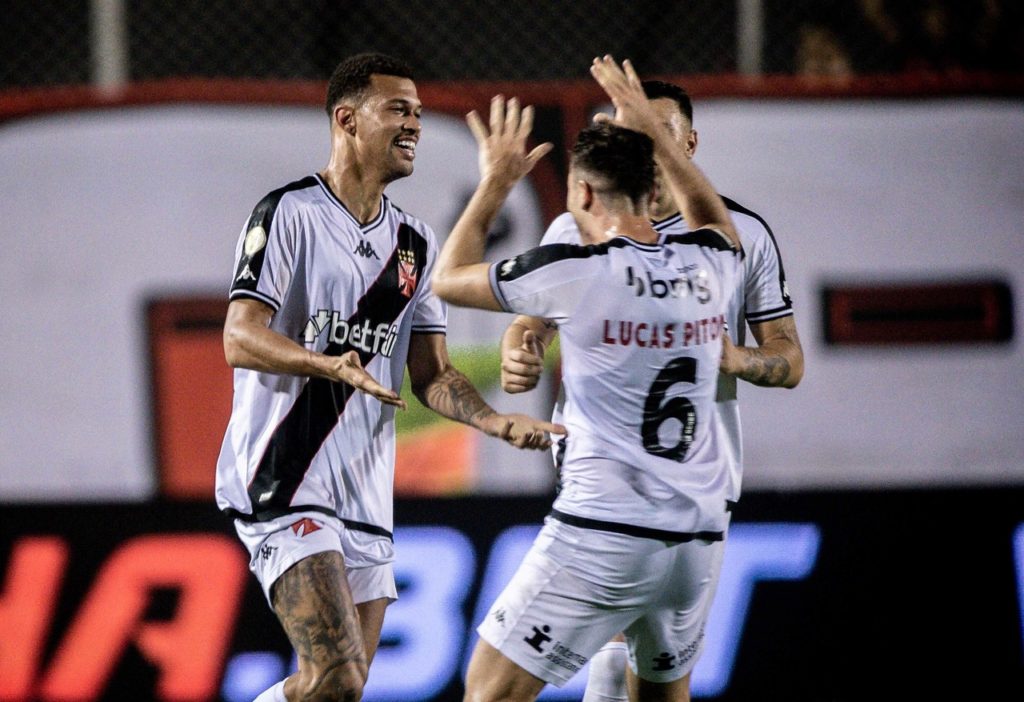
x=636 y=227
x=357 y=189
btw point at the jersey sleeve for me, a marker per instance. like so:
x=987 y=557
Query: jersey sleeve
x=562 y=230
x=265 y=255
x=548 y=281
x=766 y=295
x=430 y=314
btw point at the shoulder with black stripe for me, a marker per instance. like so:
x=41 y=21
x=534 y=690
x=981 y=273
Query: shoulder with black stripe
x=250 y=263
x=541 y=256
x=737 y=208
x=263 y=214
x=734 y=206
x=707 y=238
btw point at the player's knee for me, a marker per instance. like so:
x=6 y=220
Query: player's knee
x=342 y=682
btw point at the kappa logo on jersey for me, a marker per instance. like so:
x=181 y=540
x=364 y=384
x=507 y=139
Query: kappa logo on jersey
x=366 y=337
x=365 y=250
x=683 y=286
x=499 y=615
x=306 y=525
x=246 y=274
x=406 y=272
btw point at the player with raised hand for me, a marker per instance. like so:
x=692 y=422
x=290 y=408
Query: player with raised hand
x=635 y=536
x=762 y=302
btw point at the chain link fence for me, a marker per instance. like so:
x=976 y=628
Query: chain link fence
x=70 y=42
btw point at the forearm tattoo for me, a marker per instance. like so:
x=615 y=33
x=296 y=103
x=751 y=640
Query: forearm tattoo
x=314 y=605
x=769 y=365
x=452 y=395
x=767 y=369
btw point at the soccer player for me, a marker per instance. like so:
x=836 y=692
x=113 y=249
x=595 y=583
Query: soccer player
x=764 y=304
x=329 y=304
x=635 y=536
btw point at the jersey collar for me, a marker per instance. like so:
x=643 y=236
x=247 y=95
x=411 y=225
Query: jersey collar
x=341 y=205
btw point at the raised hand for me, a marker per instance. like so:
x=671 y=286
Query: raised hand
x=503 y=156
x=632 y=109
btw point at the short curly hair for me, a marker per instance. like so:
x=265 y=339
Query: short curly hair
x=352 y=76
x=622 y=159
x=655 y=89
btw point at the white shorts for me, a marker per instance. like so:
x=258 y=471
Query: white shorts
x=576 y=588
x=278 y=544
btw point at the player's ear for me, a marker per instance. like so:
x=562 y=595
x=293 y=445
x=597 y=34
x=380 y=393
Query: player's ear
x=691 y=144
x=345 y=118
x=586 y=195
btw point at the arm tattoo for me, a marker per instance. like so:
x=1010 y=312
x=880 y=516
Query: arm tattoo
x=769 y=365
x=766 y=369
x=452 y=395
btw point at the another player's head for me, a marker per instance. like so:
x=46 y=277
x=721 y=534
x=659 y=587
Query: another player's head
x=611 y=171
x=375 y=114
x=673 y=106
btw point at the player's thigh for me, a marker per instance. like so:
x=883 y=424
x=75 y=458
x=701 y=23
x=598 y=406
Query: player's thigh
x=492 y=676
x=314 y=604
x=667 y=640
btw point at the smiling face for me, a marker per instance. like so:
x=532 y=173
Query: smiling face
x=387 y=126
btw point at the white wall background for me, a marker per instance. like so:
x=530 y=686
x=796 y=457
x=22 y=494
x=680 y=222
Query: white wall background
x=105 y=208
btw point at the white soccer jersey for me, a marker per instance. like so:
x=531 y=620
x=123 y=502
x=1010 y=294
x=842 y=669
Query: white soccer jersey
x=765 y=297
x=641 y=334
x=335 y=285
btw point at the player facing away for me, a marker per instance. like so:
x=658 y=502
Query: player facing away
x=763 y=303
x=635 y=536
x=329 y=305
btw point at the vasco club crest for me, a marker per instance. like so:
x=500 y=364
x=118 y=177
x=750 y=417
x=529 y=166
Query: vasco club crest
x=406 y=272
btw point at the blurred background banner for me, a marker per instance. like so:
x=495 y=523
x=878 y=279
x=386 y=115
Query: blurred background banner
x=882 y=141
x=155 y=602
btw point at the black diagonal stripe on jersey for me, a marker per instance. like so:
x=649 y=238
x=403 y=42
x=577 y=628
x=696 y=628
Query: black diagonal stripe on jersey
x=736 y=207
x=263 y=216
x=317 y=409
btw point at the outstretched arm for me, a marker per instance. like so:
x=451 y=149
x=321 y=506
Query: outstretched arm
x=442 y=388
x=700 y=205
x=250 y=343
x=778 y=360
x=459 y=276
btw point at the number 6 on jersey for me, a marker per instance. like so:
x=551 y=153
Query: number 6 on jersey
x=657 y=410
